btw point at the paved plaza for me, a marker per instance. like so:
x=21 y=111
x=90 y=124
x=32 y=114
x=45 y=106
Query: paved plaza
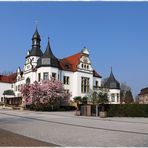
x=66 y=129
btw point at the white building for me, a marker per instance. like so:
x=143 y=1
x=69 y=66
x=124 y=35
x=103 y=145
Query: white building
x=113 y=87
x=143 y=96
x=75 y=72
x=6 y=83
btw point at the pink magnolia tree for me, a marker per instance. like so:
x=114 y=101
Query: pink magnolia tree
x=49 y=93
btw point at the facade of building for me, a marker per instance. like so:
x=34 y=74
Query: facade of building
x=75 y=72
x=143 y=96
x=6 y=83
x=113 y=87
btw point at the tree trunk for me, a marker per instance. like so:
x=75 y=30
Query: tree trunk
x=97 y=110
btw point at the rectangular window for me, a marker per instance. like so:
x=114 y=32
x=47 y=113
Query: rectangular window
x=54 y=75
x=96 y=83
x=21 y=86
x=39 y=77
x=117 y=97
x=15 y=88
x=45 y=76
x=67 y=90
x=84 y=85
x=2 y=99
x=18 y=87
x=66 y=80
x=112 y=97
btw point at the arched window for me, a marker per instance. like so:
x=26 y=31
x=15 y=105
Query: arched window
x=82 y=65
x=28 y=81
x=18 y=78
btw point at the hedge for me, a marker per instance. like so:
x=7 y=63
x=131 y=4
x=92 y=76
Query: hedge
x=127 y=110
x=49 y=108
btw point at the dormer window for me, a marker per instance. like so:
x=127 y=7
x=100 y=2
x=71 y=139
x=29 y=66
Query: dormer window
x=67 y=66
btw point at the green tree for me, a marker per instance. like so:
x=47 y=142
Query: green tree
x=78 y=101
x=103 y=98
x=99 y=98
x=128 y=97
x=126 y=94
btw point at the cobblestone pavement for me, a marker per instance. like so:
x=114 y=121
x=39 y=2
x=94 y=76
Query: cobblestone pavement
x=65 y=129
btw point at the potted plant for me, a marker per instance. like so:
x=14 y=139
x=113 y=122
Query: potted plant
x=78 y=101
x=103 y=99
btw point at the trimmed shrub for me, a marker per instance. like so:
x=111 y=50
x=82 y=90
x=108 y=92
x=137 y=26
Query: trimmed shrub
x=67 y=108
x=50 y=108
x=127 y=110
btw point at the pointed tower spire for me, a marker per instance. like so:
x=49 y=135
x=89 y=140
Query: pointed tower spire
x=112 y=82
x=111 y=73
x=48 y=52
x=48 y=56
x=36 y=51
x=36 y=39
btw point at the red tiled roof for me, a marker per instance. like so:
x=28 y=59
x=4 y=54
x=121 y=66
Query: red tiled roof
x=8 y=79
x=95 y=74
x=70 y=63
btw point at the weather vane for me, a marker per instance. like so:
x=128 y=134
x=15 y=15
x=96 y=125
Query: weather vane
x=36 y=23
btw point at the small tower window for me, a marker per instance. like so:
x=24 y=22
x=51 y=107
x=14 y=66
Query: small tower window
x=54 y=75
x=45 y=76
x=112 y=97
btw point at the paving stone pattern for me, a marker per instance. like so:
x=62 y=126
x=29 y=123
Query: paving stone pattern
x=66 y=129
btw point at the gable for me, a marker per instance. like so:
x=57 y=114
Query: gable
x=70 y=63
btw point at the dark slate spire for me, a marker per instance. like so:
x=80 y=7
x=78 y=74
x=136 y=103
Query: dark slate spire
x=36 y=51
x=48 y=52
x=36 y=39
x=111 y=82
x=36 y=35
x=48 y=58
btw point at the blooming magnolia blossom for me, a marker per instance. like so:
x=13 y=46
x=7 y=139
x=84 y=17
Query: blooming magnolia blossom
x=46 y=92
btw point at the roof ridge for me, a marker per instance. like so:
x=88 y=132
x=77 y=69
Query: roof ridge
x=71 y=56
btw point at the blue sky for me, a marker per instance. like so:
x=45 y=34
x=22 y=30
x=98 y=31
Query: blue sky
x=116 y=34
